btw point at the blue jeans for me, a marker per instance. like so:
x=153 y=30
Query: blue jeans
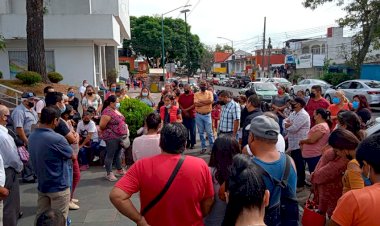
x=204 y=125
x=83 y=152
x=189 y=123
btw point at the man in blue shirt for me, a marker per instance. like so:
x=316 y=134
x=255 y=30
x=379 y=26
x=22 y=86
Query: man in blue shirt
x=50 y=154
x=230 y=117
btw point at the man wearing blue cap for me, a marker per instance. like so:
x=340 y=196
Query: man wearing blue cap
x=24 y=117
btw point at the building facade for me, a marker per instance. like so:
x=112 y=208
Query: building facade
x=81 y=37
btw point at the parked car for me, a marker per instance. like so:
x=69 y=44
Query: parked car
x=261 y=79
x=222 y=82
x=306 y=85
x=280 y=82
x=375 y=128
x=230 y=82
x=369 y=88
x=265 y=91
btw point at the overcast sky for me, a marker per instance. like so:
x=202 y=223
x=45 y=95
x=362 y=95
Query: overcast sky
x=242 y=20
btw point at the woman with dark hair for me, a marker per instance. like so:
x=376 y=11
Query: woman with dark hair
x=316 y=140
x=170 y=113
x=146 y=98
x=361 y=207
x=223 y=151
x=344 y=144
x=113 y=129
x=247 y=195
x=67 y=116
x=362 y=109
x=92 y=99
x=327 y=176
x=351 y=121
x=279 y=104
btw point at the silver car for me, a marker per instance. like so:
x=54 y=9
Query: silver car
x=280 y=82
x=369 y=88
x=306 y=85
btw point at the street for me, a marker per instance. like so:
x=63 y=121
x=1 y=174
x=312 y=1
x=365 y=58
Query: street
x=375 y=110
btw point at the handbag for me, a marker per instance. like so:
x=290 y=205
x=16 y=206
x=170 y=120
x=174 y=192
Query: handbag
x=23 y=153
x=152 y=203
x=310 y=216
x=125 y=142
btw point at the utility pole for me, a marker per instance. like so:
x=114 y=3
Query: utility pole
x=270 y=52
x=187 y=46
x=263 y=59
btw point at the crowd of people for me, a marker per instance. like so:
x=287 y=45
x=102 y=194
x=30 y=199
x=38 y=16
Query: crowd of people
x=259 y=153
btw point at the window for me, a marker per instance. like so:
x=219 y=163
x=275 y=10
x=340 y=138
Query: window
x=323 y=49
x=18 y=61
x=344 y=85
x=315 y=49
x=305 y=49
x=356 y=85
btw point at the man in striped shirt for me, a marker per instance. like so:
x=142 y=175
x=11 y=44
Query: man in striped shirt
x=230 y=117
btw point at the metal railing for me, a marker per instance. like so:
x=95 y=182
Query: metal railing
x=9 y=96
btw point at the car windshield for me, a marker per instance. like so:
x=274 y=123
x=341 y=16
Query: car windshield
x=373 y=84
x=265 y=87
x=283 y=80
x=318 y=82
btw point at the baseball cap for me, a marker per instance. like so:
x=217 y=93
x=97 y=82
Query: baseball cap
x=28 y=95
x=265 y=127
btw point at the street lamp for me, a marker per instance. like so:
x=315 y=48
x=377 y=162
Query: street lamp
x=232 y=42
x=162 y=37
x=187 y=45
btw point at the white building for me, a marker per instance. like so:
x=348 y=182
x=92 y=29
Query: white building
x=237 y=62
x=81 y=37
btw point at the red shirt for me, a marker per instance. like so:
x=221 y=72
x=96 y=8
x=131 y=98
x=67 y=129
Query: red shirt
x=185 y=101
x=313 y=105
x=181 y=203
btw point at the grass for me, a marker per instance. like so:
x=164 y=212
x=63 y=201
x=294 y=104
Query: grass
x=38 y=88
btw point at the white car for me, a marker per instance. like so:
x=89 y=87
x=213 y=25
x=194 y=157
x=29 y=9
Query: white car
x=375 y=128
x=280 y=82
x=369 y=88
x=306 y=85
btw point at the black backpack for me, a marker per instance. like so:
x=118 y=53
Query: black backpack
x=286 y=212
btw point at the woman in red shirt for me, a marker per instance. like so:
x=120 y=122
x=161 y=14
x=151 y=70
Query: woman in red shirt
x=340 y=102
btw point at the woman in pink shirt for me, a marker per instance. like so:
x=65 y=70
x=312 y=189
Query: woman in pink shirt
x=316 y=139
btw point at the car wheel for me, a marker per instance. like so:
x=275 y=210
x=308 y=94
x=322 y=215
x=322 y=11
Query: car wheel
x=292 y=92
x=328 y=98
x=307 y=93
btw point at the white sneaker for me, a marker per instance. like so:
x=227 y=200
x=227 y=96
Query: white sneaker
x=73 y=206
x=111 y=177
x=96 y=158
x=74 y=200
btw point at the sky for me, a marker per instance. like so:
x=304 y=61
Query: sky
x=243 y=20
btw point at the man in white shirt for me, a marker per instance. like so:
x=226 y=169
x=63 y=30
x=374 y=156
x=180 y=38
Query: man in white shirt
x=82 y=89
x=12 y=166
x=89 y=139
x=41 y=103
x=148 y=145
x=3 y=191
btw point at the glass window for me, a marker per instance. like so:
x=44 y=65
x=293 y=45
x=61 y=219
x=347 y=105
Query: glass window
x=305 y=49
x=373 y=84
x=265 y=87
x=323 y=49
x=344 y=85
x=315 y=49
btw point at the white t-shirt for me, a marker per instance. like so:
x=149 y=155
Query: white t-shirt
x=84 y=129
x=146 y=146
x=280 y=145
x=82 y=90
x=2 y=172
x=39 y=105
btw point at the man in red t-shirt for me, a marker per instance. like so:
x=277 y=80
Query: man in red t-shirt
x=186 y=104
x=188 y=199
x=316 y=101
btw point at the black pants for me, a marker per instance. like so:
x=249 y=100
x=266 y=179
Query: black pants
x=27 y=173
x=300 y=165
x=11 y=209
x=189 y=123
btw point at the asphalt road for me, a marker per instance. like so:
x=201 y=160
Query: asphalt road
x=375 y=111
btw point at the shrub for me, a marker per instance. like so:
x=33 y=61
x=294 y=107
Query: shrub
x=55 y=77
x=29 y=77
x=111 y=76
x=135 y=113
x=336 y=78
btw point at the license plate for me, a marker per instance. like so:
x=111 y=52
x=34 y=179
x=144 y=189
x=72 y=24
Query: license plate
x=267 y=97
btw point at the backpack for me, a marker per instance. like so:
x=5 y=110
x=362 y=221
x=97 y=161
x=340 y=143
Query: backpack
x=286 y=212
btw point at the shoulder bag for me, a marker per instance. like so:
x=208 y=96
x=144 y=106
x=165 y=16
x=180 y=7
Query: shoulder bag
x=166 y=188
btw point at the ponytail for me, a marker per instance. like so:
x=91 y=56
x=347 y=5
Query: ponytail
x=326 y=115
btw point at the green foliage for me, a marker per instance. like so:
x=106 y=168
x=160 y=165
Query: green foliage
x=219 y=48
x=29 y=77
x=55 y=77
x=207 y=59
x=336 y=78
x=111 y=76
x=146 y=40
x=2 y=43
x=135 y=113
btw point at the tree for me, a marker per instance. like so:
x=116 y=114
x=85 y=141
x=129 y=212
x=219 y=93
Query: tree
x=146 y=41
x=225 y=48
x=35 y=38
x=207 y=59
x=363 y=15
